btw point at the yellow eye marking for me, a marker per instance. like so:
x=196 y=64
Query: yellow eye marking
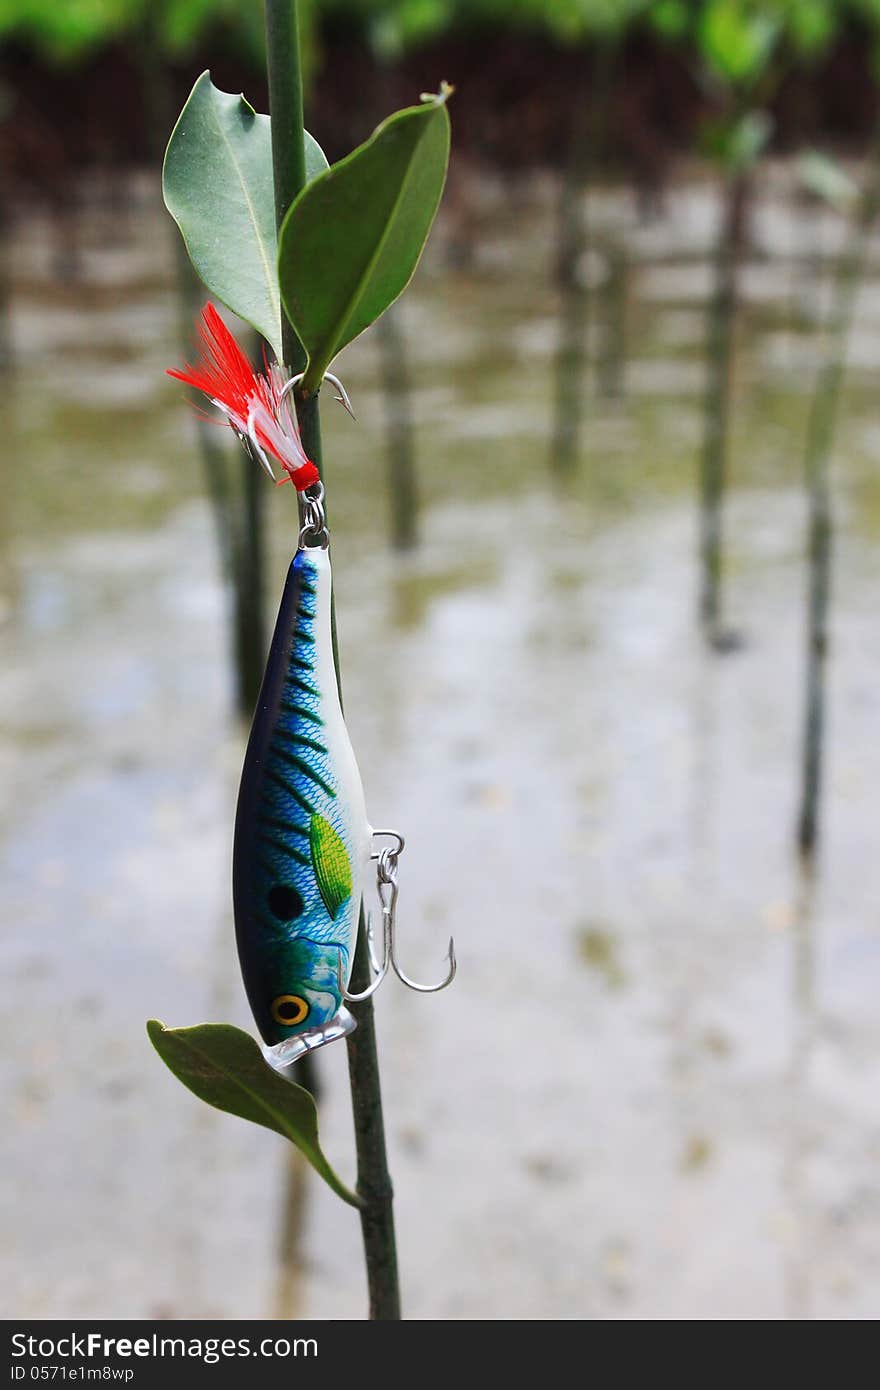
x=288 y=1009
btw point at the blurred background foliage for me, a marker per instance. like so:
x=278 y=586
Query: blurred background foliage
x=71 y=94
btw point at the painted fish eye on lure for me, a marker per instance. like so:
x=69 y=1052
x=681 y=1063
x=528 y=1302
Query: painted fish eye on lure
x=303 y=843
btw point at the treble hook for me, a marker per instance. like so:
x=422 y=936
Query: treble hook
x=342 y=398
x=387 y=889
x=380 y=968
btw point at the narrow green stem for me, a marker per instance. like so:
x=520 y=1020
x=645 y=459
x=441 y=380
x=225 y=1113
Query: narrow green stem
x=5 y=295
x=374 y=1182
x=824 y=413
x=288 y=146
x=289 y=173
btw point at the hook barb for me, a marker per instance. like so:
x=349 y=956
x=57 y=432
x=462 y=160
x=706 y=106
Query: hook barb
x=343 y=397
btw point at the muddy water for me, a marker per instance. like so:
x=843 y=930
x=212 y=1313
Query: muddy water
x=652 y=1091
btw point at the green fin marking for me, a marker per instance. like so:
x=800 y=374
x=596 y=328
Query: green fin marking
x=331 y=864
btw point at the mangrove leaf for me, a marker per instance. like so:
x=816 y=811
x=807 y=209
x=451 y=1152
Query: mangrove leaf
x=352 y=239
x=225 y=1067
x=217 y=185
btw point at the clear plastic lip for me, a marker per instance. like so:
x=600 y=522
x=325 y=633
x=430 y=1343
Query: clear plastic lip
x=284 y=1053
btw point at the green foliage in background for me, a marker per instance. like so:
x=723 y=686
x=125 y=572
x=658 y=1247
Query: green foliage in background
x=572 y=21
x=736 y=39
x=70 y=30
x=733 y=38
x=65 y=31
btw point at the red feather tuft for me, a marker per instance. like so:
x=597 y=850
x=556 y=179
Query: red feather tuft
x=249 y=399
x=224 y=373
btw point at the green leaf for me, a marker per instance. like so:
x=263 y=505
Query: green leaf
x=670 y=18
x=331 y=864
x=217 y=185
x=394 y=30
x=811 y=26
x=353 y=237
x=225 y=1067
x=737 y=39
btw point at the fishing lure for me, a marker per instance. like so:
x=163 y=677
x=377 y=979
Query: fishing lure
x=303 y=843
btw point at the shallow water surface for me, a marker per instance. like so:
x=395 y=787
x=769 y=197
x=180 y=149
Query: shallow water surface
x=652 y=1090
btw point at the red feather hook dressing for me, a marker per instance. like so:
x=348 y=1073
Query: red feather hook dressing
x=253 y=402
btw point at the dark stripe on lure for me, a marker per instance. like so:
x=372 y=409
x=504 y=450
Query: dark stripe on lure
x=304 y=767
x=300 y=684
x=291 y=827
x=287 y=786
x=301 y=712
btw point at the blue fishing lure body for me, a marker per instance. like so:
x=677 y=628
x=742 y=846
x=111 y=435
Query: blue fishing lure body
x=302 y=840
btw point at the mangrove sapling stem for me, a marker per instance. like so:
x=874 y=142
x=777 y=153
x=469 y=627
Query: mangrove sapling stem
x=374 y=1185
x=402 y=482
x=823 y=417
x=374 y=1182
x=570 y=368
x=251 y=554
x=284 y=67
x=589 y=120
x=5 y=291
x=612 y=359
x=717 y=401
